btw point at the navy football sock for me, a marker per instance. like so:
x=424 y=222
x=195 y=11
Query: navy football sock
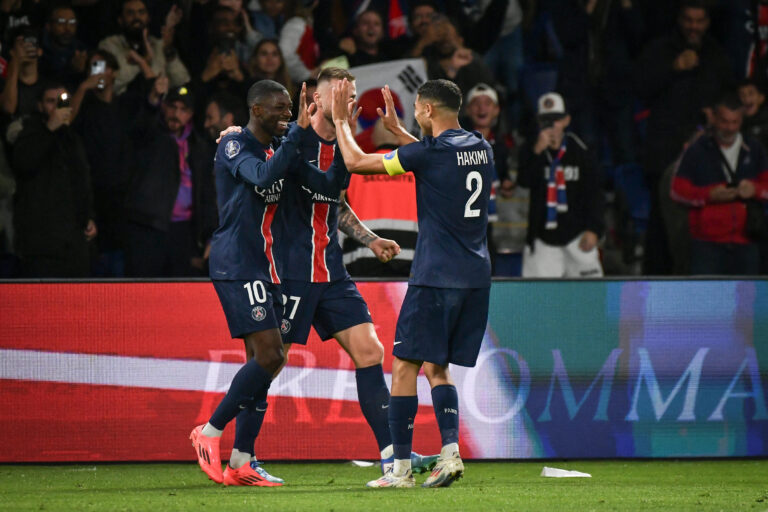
x=248 y=425
x=373 y=395
x=249 y=382
x=445 y=400
x=402 y=412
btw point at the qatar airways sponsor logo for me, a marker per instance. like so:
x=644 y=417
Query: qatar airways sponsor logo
x=320 y=197
x=271 y=194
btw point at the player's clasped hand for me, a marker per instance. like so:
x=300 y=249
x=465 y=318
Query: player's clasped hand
x=384 y=249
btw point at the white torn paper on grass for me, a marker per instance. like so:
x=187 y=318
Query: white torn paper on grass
x=563 y=473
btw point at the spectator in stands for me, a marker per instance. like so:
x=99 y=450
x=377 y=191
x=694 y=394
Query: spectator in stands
x=678 y=76
x=267 y=62
x=755 y=111
x=7 y=191
x=54 y=203
x=297 y=40
x=504 y=51
x=421 y=33
x=269 y=19
x=99 y=111
x=22 y=88
x=718 y=175
x=223 y=70
x=64 y=55
x=223 y=110
x=231 y=22
x=170 y=207
x=448 y=58
x=370 y=197
x=482 y=110
x=565 y=218
x=141 y=55
x=20 y=13
x=367 y=44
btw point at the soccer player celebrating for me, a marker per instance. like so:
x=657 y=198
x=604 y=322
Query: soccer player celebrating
x=319 y=290
x=250 y=168
x=445 y=310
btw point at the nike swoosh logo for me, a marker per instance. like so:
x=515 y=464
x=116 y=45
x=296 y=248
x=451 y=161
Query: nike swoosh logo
x=385 y=406
x=397 y=342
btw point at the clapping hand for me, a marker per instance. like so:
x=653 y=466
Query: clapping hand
x=340 y=105
x=305 y=112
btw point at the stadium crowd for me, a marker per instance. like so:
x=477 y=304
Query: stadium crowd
x=110 y=109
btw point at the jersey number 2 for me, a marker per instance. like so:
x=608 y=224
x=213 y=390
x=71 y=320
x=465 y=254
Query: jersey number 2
x=474 y=185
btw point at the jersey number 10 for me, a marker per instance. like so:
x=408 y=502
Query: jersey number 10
x=474 y=185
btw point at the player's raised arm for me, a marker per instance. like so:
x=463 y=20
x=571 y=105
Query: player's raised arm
x=355 y=159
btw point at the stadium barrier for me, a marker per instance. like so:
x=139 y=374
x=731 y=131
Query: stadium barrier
x=111 y=371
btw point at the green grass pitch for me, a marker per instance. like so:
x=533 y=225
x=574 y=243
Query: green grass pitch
x=486 y=486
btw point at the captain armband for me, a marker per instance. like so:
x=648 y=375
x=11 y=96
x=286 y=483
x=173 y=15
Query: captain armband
x=392 y=164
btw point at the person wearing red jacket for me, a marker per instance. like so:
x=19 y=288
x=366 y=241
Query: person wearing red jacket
x=717 y=175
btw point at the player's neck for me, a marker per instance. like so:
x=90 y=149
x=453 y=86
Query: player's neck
x=324 y=128
x=261 y=135
x=440 y=125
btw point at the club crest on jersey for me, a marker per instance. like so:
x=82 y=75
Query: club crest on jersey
x=285 y=326
x=390 y=155
x=232 y=149
x=258 y=313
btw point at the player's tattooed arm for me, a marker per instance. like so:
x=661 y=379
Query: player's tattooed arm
x=351 y=226
x=383 y=248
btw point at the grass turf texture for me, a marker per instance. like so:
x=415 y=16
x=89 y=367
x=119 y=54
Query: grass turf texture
x=615 y=485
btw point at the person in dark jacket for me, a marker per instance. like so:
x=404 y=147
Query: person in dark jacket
x=99 y=112
x=717 y=175
x=171 y=206
x=53 y=204
x=679 y=76
x=565 y=219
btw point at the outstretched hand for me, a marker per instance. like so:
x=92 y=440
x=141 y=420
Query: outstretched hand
x=340 y=104
x=305 y=112
x=389 y=116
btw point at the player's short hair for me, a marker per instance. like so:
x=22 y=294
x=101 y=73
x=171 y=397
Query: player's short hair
x=108 y=58
x=441 y=91
x=696 y=4
x=230 y=104
x=751 y=82
x=262 y=89
x=421 y=3
x=729 y=101
x=331 y=73
x=50 y=84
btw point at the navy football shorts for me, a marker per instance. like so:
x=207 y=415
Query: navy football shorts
x=250 y=306
x=328 y=307
x=442 y=325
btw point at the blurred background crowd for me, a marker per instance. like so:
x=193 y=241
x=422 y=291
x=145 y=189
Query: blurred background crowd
x=628 y=134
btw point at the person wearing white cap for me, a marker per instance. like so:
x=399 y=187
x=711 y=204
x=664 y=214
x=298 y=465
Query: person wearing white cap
x=482 y=111
x=565 y=217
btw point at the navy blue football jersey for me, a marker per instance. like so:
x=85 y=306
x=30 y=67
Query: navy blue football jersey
x=249 y=180
x=453 y=172
x=310 y=217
